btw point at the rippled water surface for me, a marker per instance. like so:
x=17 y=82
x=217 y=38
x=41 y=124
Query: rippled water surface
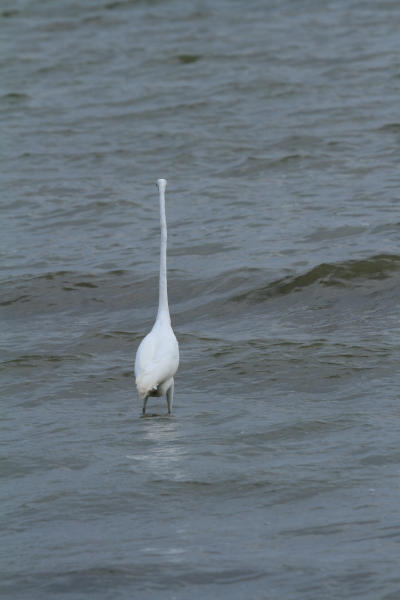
x=277 y=126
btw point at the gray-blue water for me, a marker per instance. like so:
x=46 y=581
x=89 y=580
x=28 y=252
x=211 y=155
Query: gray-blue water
x=277 y=126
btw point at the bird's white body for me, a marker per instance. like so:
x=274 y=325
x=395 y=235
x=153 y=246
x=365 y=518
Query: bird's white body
x=157 y=361
x=157 y=358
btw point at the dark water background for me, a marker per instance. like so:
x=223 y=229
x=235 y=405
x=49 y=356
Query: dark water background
x=277 y=126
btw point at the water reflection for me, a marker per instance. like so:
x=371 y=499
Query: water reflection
x=160 y=449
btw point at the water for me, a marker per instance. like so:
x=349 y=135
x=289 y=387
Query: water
x=277 y=126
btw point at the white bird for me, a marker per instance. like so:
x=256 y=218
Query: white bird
x=157 y=357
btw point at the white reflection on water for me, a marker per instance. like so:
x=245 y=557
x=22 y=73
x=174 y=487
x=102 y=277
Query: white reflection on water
x=164 y=453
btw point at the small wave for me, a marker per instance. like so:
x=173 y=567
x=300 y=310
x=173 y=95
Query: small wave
x=14 y=97
x=390 y=128
x=36 y=360
x=46 y=288
x=146 y=575
x=186 y=59
x=8 y=14
x=351 y=273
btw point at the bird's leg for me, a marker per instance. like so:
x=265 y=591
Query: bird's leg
x=170 y=397
x=144 y=406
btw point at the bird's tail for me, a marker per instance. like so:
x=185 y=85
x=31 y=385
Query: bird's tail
x=144 y=385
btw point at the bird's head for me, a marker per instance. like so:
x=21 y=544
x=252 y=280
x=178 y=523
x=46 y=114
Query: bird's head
x=162 y=184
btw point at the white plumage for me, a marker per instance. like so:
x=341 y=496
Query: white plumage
x=157 y=357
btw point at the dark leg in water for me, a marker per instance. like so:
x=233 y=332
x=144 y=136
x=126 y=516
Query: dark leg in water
x=170 y=397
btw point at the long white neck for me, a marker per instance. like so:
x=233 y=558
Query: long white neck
x=163 y=310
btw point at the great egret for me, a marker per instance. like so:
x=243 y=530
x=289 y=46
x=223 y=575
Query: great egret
x=157 y=357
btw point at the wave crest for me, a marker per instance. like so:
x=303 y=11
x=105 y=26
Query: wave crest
x=350 y=273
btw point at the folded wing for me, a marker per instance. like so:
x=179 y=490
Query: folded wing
x=157 y=360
